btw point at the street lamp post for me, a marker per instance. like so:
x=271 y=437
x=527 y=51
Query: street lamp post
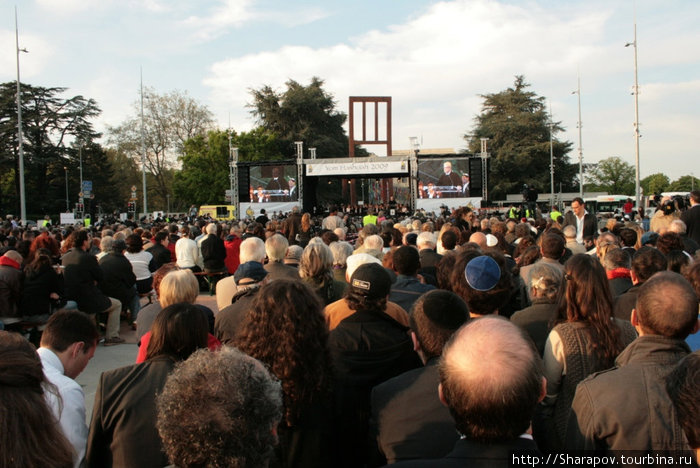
x=636 y=118
x=551 y=157
x=579 y=125
x=22 y=197
x=65 y=168
x=143 y=153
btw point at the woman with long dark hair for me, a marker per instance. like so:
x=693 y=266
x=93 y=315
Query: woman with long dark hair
x=42 y=289
x=30 y=436
x=123 y=426
x=587 y=339
x=286 y=331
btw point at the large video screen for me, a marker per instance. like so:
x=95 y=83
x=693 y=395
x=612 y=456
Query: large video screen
x=448 y=178
x=273 y=184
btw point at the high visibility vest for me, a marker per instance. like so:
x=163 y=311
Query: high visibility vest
x=513 y=213
x=369 y=219
x=554 y=215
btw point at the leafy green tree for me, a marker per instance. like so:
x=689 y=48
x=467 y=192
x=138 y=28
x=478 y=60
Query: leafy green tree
x=685 y=183
x=655 y=183
x=204 y=177
x=170 y=120
x=302 y=113
x=516 y=123
x=613 y=175
x=54 y=127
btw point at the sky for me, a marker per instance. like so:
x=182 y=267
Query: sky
x=435 y=59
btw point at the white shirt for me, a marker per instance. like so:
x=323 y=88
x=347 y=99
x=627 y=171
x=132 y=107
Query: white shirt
x=579 y=227
x=139 y=263
x=187 y=253
x=70 y=410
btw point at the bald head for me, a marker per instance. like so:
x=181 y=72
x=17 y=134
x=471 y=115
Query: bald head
x=479 y=238
x=491 y=379
x=666 y=306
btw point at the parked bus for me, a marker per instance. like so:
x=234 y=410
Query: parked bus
x=218 y=212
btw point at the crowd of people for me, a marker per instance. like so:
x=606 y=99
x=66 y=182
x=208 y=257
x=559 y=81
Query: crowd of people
x=354 y=339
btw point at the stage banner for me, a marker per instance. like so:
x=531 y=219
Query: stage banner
x=356 y=168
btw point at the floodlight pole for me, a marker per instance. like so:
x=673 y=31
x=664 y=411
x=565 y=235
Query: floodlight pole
x=143 y=153
x=579 y=125
x=22 y=196
x=636 y=117
x=551 y=156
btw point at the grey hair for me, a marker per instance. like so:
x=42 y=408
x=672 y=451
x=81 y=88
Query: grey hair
x=426 y=238
x=678 y=226
x=374 y=242
x=341 y=251
x=219 y=409
x=316 y=261
x=106 y=243
x=211 y=228
x=547 y=279
x=276 y=247
x=569 y=232
x=252 y=250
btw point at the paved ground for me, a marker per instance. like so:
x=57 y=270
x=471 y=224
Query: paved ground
x=112 y=357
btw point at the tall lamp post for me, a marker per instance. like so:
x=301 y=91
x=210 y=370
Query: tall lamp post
x=22 y=197
x=143 y=152
x=579 y=125
x=65 y=168
x=551 y=157
x=636 y=118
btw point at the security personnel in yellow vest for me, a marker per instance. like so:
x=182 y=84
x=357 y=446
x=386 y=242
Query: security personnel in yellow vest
x=371 y=218
x=555 y=213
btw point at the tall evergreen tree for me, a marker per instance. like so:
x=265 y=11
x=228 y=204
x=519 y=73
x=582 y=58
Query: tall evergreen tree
x=54 y=127
x=517 y=125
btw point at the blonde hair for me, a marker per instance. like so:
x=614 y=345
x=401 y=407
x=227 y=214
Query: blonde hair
x=178 y=286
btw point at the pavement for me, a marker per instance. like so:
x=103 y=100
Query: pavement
x=115 y=356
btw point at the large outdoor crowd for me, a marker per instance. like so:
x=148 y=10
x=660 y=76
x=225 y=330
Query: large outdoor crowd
x=355 y=339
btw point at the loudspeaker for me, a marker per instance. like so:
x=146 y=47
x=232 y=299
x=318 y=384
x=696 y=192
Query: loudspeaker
x=244 y=184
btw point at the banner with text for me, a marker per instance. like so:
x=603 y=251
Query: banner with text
x=357 y=168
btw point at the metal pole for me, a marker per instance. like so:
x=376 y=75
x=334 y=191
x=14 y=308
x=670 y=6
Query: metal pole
x=580 y=140
x=67 y=200
x=551 y=156
x=636 y=117
x=143 y=153
x=22 y=198
x=636 y=122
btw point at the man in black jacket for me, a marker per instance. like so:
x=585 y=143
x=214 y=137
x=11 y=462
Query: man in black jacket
x=118 y=279
x=213 y=251
x=408 y=420
x=584 y=222
x=491 y=379
x=81 y=275
x=627 y=407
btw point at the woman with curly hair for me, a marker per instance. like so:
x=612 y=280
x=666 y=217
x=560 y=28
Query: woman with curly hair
x=286 y=330
x=315 y=269
x=30 y=436
x=587 y=339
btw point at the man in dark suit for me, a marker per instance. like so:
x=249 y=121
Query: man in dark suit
x=449 y=182
x=81 y=275
x=408 y=420
x=491 y=379
x=691 y=217
x=584 y=222
x=293 y=192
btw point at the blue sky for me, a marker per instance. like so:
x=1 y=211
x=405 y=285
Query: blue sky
x=433 y=58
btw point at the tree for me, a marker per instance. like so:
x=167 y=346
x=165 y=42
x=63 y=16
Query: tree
x=517 y=125
x=204 y=177
x=655 y=183
x=684 y=184
x=54 y=127
x=614 y=175
x=169 y=120
x=301 y=113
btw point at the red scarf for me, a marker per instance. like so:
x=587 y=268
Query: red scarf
x=7 y=261
x=619 y=273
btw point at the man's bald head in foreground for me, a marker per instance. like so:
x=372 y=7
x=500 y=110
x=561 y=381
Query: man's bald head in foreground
x=491 y=379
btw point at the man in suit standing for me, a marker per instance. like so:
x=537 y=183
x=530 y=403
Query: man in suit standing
x=293 y=192
x=691 y=217
x=408 y=420
x=491 y=379
x=584 y=222
x=448 y=180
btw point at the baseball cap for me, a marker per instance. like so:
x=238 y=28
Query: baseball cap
x=371 y=280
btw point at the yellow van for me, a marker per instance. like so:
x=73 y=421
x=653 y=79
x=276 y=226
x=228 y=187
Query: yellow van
x=218 y=212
